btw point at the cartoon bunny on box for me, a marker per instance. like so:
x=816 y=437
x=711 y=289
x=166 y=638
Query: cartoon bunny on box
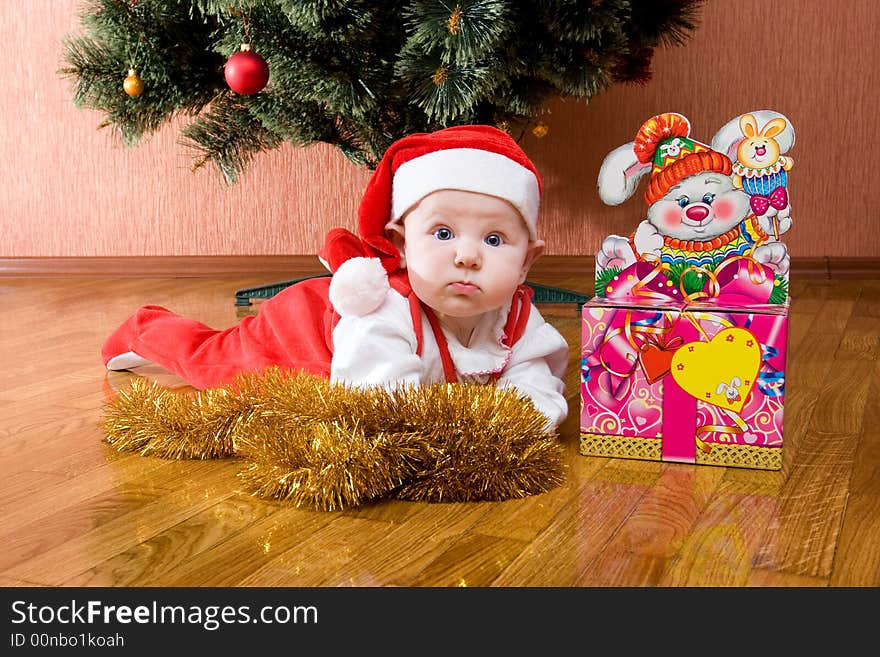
x=705 y=203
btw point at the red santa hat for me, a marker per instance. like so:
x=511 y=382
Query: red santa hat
x=472 y=158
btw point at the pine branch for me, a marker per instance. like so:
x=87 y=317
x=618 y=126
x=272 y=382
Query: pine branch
x=170 y=51
x=228 y=136
x=466 y=32
x=357 y=74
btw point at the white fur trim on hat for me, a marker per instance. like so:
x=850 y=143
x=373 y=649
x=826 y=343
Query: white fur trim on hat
x=359 y=286
x=468 y=170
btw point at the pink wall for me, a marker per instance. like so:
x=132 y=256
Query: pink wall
x=71 y=190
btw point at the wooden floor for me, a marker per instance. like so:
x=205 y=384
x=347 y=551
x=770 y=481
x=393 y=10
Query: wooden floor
x=74 y=512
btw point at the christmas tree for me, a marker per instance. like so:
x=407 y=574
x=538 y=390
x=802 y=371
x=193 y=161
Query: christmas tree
x=357 y=74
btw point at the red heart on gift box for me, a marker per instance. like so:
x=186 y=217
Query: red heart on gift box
x=655 y=361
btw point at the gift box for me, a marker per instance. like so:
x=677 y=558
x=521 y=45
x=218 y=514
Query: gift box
x=689 y=377
x=683 y=345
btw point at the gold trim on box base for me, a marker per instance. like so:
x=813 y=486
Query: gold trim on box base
x=650 y=449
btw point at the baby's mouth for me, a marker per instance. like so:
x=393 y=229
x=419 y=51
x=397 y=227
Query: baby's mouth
x=465 y=288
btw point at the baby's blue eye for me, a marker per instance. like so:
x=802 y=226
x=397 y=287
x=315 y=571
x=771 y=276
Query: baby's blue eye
x=443 y=234
x=683 y=201
x=494 y=240
x=708 y=198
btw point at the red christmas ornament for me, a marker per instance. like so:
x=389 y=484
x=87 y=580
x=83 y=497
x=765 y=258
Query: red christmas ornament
x=246 y=72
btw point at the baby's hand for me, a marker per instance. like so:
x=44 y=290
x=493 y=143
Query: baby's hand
x=773 y=254
x=648 y=239
x=616 y=252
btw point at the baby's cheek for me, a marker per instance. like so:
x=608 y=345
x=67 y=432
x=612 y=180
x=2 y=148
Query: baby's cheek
x=724 y=209
x=671 y=217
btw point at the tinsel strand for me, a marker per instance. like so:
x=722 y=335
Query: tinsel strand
x=330 y=447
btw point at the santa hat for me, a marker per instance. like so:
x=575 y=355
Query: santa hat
x=471 y=158
x=664 y=142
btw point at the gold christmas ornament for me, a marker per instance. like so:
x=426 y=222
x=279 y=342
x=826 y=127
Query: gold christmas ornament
x=540 y=130
x=133 y=85
x=315 y=444
x=439 y=76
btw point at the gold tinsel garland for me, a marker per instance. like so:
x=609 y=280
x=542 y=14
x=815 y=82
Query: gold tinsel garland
x=328 y=446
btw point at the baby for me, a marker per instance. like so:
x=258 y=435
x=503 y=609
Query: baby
x=431 y=291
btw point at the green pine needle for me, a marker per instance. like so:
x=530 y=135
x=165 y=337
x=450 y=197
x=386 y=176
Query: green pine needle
x=780 y=290
x=227 y=136
x=603 y=278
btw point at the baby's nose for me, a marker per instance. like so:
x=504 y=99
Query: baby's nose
x=465 y=257
x=697 y=212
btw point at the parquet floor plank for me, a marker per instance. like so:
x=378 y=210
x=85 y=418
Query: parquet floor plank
x=197 y=487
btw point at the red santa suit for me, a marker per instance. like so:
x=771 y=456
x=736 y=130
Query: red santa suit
x=365 y=326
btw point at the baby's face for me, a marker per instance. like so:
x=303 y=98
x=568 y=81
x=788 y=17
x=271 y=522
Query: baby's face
x=465 y=252
x=699 y=208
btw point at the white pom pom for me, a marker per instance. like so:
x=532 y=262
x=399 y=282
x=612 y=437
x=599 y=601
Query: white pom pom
x=359 y=286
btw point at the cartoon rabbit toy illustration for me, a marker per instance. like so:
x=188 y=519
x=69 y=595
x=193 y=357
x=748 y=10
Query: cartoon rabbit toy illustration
x=697 y=215
x=761 y=168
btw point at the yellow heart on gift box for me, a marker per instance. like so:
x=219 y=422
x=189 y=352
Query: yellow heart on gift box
x=721 y=371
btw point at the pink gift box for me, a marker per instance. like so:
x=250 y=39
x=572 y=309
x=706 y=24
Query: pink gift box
x=692 y=381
